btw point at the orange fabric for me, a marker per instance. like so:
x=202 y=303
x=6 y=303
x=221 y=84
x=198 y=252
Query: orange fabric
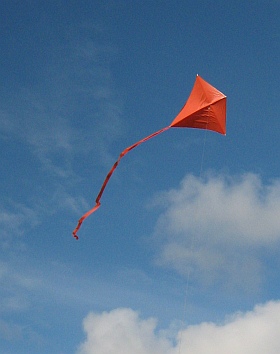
x=204 y=109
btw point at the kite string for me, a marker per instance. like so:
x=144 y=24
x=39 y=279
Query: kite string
x=191 y=249
x=203 y=150
x=122 y=154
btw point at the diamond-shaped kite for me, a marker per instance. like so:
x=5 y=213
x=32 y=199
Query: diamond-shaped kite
x=204 y=109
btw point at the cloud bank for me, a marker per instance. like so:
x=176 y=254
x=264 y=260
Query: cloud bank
x=217 y=228
x=122 y=331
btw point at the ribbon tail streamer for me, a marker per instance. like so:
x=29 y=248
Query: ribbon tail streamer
x=97 y=201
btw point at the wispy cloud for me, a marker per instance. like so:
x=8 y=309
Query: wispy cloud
x=16 y=286
x=68 y=112
x=10 y=332
x=71 y=109
x=15 y=219
x=216 y=228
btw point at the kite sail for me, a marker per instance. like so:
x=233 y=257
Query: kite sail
x=204 y=109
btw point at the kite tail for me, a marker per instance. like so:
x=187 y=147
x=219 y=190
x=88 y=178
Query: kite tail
x=97 y=201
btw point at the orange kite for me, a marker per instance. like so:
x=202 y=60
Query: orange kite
x=204 y=109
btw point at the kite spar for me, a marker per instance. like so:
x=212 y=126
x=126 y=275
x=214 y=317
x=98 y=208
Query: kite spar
x=204 y=109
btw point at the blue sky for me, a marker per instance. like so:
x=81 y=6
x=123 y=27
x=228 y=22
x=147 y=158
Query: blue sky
x=185 y=213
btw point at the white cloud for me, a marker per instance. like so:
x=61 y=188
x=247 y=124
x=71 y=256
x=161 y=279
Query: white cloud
x=122 y=331
x=217 y=228
x=242 y=209
x=255 y=332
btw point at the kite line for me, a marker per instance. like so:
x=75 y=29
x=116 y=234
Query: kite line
x=191 y=249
